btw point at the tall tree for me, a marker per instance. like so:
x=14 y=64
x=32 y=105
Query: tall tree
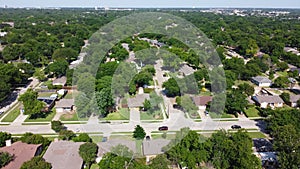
x=139 y=133
x=36 y=163
x=88 y=152
x=32 y=106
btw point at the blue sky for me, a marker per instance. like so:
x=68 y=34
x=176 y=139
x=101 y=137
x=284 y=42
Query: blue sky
x=153 y=3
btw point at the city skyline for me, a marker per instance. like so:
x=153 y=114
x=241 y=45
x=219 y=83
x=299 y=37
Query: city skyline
x=154 y=4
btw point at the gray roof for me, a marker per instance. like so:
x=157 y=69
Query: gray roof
x=138 y=100
x=261 y=79
x=154 y=147
x=65 y=103
x=64 y=154
x=105 y=147
x=294 y=98
x=62 y=80
x=268 y=99
x=186 y=70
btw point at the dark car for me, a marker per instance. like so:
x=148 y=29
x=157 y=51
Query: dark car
x=163 y=128
x=104 y=139
x=147 y=137
x=236 y=127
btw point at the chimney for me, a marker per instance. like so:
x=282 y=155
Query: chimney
x=8 y=143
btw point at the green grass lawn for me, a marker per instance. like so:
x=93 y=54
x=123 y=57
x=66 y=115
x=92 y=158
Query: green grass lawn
x=170 y=136
x=207 y=93
x=252 y=112
x=214 y=115
x=122 y=114
x=138 y=144
x=96 y=139
x=48 y=118
x=69 y=117
x=284 y=74
x=256 y=135
x=12 y=115
x=155 y=116
x=238 y=82
x=94 y=166
x=120 y=137
x=71 y=95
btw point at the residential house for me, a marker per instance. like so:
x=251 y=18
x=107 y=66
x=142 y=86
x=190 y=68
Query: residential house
x=22 y=152
x=138 y=100
x=202 y=101
x=151 y=148
x=64 y=105
x=268 y=159
x=50 y=101
x=261 y=81
x=186 y=70
x=293 y=100
x=265 y=101
x=64 y=154
x=295 y=69
x=60 y=81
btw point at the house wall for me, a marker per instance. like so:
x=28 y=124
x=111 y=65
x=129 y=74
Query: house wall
x=278 y=104
x=264 y=84
x=293 y=104
x=59 y=110
x=264 y=105
x=202 y=107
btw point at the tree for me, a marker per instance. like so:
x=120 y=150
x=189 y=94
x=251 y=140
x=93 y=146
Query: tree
x=121 y=150
x=282 y=66
x=246 y=88
x=88 y=152
x=32 y=106
x=67 y=54
x=160 y=161
x=5 y=158
x=36 y=163
x=83 y=137
x=66 y=135
x=57 y=126
x=143 y=78
x=188 y=105
x=58 y=67
x=139 y=133
x=146 y=105
x=3 y=137
x=30 y=138
x=235 y=102
x=285 y=97
x=171 y=87
x=281 y=82
x=105 y=101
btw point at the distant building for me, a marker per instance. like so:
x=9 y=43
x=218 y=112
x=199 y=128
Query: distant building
x=64 y=154
x=265 y=101
x=186 y=70
x=268 y=159
x=202 y=101
x=261 y=81
x=60 y=81
x=22 y=152
x=293 y=100
x=65 y=105
x=50 y=101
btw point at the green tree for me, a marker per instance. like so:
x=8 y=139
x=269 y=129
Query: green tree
x=67 y=54
x=160 y=161
x=171 y=87
x=32 y=106
x=139 y=133
x=235 y=102
x=147 y=105
x=57 y=126
x=105 y=101
x=122 y=151
x=246 y=88
x=66 y=135
x=281 y=82
x=83 y=137
x=3 y=137
x=88 y=152
x=5 y=158
x=285 y=97
x=30 y=138
x=282 y=66
x=36 y=163
x=58 y=67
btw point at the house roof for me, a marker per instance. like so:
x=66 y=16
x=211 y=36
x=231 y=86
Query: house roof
x=186 y=69
x=295 y=69
x=261 y=79
x=268 y=99
x=22 y=151
x=64 y=154
x=138 y=100
x=60 y=81
x=154 y=147
x=202 y=100
x=65 y=103
x=105 y=147
x=294 y=98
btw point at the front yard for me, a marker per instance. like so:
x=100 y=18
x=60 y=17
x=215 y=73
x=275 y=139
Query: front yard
x=48 y=117
x=122 y=114
x=13 y=114
x=252 y=112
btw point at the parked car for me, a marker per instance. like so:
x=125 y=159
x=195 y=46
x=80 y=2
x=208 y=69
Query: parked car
x=236 y=127
x=163 y=128
x=104 y=139
x=147 y=138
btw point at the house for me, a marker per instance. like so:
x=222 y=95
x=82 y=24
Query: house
x=2 y=34
x=151 y=148
x=265 y=101
x=138 y=100
x=295 y=69
x=65 y=105
x=64 y=154
x=22 y=152
x=60 y=81
x=268 y=159
x=202 y=101
x=261 y=81
x=186 y=70
x=50 y=101
x=293 y=100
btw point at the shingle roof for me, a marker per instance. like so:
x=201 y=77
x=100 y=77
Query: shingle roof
x=64 y=154
x=261 y=79
x=268 y=99
x=294 y=98
x=186 y=70
x=22 y=151
x=60 y=81
x=65 y=103
x=105 y=147
x=138 y=100
x=154 y=147
x=202 y=100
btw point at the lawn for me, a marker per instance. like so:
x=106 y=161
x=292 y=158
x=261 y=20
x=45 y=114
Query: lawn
x=214 y=115
x=122 y=114
x=94 y=166
x=284 y=74
x=256 y=135
x=69 y=117
x=252 y=112
x=170 y=136
x=96 y=139
x=155 y=116
x=122 y=137
x=138 y=144
x=71 y=95
x=13 y=114
x=48 y=117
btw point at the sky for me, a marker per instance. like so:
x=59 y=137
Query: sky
x=154 y=3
